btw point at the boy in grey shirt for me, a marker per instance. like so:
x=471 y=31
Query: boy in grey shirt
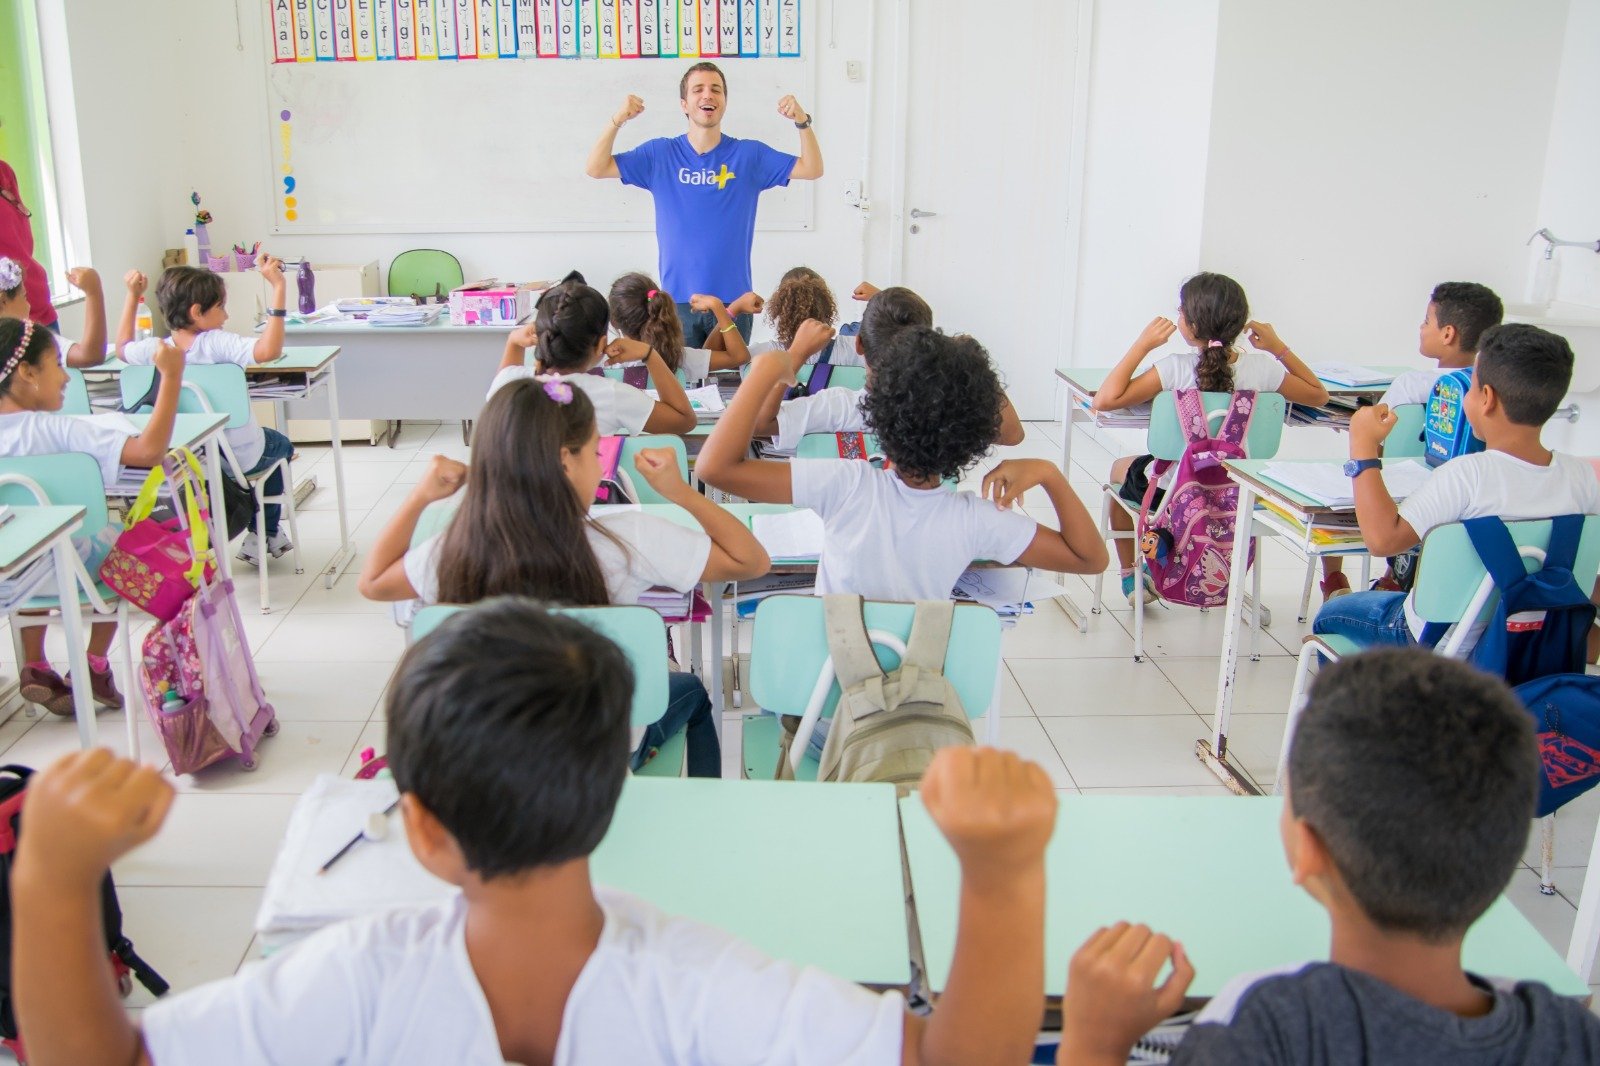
x=1412 y=781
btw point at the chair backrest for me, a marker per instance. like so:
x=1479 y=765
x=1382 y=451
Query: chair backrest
x=76 y=401
x=826 y=446
x=1166 y=439
x=68 y=478
x=631 y=446
x=791 y=644
x=208 y=388
x=1451 y=578
x=424 y=271
x=1405 y=440
x=617 y=373
x=638 y=631
x=840 y=377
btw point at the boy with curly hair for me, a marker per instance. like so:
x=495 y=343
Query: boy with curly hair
x=898 y=533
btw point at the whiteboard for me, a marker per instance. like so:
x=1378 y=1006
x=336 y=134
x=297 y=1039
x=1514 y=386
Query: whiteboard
x=474 y=146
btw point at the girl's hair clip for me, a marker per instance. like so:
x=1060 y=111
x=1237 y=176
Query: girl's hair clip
x=10 y=273
x=1215 y=344
x=555 y=388
x=651 y=295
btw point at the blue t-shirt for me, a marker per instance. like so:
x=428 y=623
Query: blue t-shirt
x=705 y=208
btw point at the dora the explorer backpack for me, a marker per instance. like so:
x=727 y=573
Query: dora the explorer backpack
x=886 y=726
x=124 y=961
x=1187 y=543
x=1446 y=433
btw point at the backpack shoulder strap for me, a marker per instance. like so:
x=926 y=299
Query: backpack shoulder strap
x=930 y=635
x=1565 y=532
x=821 y=374
x=853 y=659
x=1191 y=414
x=1492 y=541
x=1236 y=423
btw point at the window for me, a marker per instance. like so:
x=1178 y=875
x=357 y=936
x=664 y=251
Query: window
x=25 y=138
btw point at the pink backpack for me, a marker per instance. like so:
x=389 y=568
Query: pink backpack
x=1187 y=543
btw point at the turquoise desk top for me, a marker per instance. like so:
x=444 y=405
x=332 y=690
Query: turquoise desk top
x=437 y=514
x=187 y=429
x=308 y=358
x=1208 y=871
x=29 y=528
x=1089 y=378
x=804 y=873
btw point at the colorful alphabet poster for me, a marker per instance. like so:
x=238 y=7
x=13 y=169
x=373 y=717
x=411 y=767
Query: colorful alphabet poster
x=309 y=31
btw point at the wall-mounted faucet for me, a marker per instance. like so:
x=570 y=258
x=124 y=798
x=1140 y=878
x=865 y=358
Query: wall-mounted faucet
x=1552 y=242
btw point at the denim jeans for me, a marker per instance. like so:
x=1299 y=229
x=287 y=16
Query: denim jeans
x=1368 y=618
x=277 y=447
x=689 y=709
x=698 y=325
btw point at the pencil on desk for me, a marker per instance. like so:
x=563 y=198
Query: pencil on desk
x=353 y=841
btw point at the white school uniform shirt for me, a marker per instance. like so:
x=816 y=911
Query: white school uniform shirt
x=214 y=346
x=884 y=540
x=829 y=411
x=399 y=988
x=1494 y=483
x=659 y=554
x=619 y=408
x=842 y=352
x=1413 y=386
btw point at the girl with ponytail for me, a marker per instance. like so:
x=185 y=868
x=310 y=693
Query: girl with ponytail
x=1212 y=315
x=648 y=318
x=33 y=384
x=524 y=529
x=568 y=335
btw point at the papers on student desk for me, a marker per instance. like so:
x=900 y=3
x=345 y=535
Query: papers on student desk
x=1352 y=376
x=706 y=401
x=407 y=314
x=373 y=875
x=790 y=534
x=1010 y=590
x=1327 y=485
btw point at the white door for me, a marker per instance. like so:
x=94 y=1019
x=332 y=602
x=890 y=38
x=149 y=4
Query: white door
x=984 y=219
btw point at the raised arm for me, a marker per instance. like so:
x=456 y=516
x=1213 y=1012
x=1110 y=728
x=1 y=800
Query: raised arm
x=136 y=284
x=801 y=350
x=602 y=157
x=809 y=165
x=1120 y=388
x=1300 y=384
x=672 y=413
x=732 y=352
x=736 y=555
x=997 y=812
x=1077 y=547
x=1382 y=528
x=269 y=345
x=150 y=446
x=91 y=350
x=383 y=574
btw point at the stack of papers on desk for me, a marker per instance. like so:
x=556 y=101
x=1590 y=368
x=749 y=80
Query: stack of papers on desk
x=1011 y=591
x=407 y=314
x=372 y=876
x=367 y=304
x=790 y=534
x=1326 y=484
x=668 y=603
x=1352 y=376
x=706 y=401
x=1137 y=416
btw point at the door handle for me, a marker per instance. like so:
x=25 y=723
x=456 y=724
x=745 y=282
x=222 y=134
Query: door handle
x=917 y=212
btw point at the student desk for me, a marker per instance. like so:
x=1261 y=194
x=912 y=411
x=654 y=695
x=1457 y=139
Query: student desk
x=30 y=534
x=1208 y=871
x=296 y=374
x=804 y=873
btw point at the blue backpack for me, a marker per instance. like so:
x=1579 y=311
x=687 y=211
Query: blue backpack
x=1566 y=721
x=1445 y=430
x=822 y=369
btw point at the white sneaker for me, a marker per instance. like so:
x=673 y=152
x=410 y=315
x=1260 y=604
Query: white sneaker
x=277 y=545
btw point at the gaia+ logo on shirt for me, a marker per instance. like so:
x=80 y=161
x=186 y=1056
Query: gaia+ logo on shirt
x=706 y=177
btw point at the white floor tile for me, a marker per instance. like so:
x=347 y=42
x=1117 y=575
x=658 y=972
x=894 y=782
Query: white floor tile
x=1096 y=687
x=1050 y=634
x=287 y=763
x=324 y=691
x=1553 y=916
x=1013 y=701
x=1259 y=687
x=1027 y=737
x=1130 y=750
x=210 y=840
x=190 y=935
x=313 y=637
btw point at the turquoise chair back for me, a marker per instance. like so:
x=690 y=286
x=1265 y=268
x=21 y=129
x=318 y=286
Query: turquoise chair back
x=1405 y=440
x=1449 y=570
x=76 y=401
x=616 y=373
x=791 y=644
x=424 y=272
x=66 y=478
x=631 y=446
x=826 y=446
x=842 y=377
x=638 y=631
x=207 y=387
x=1166 y=439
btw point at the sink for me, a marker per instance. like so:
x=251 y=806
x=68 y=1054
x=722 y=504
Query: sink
x=1580 y=324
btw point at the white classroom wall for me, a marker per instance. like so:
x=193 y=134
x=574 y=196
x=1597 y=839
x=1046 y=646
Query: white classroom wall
x=1569 y=203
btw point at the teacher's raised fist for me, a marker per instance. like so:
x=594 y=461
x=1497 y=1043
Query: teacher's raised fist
x=631 y=108
x=790 y=109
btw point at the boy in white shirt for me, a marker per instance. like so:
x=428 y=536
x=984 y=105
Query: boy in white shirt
x=1458 y=313
x=1522 y=373
x=194 y=304
x=898 y=533
x=508 y=739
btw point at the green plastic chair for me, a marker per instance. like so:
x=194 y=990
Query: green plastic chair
x=642 y=492
x=790 y=647
x=1166 y=440
x=424 y=272
x=76 y=402
x=842 y=377
x=1453 y=588
x=220 y=388
x=72 y=479
x=642 y=636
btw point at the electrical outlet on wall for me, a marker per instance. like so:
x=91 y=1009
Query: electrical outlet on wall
x=852 y=193
x=852 y=70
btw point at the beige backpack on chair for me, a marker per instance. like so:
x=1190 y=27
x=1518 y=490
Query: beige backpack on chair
x=886 y=726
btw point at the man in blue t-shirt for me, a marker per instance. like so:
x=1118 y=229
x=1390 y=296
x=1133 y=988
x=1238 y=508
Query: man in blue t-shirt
x=705 y=187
